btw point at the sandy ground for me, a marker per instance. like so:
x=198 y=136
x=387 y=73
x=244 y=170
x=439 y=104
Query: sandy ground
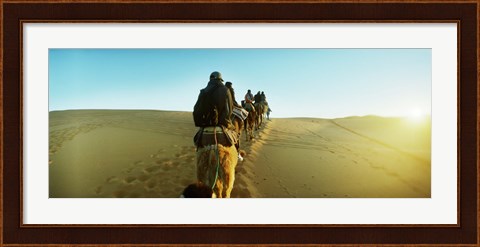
x=151 y=154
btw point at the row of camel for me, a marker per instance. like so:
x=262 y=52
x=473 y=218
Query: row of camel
x=254 y=121
x=216 y=163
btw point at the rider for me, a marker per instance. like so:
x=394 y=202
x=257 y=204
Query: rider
x=214 y=97
x=232 y=93
x=263 y=98
x=249 y=100
x=228 y=84
x=257 y=98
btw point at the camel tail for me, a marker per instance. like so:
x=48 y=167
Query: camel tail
x=206 y=165
x=219 y=176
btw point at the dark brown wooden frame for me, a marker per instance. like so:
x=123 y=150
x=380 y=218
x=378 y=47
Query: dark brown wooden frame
x=13 y=13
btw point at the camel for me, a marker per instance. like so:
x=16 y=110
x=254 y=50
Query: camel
x=238 y=117
x=261 y=109
x=250 y=122
x=216 y=159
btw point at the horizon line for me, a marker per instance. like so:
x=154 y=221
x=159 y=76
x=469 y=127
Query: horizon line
x=319 y=117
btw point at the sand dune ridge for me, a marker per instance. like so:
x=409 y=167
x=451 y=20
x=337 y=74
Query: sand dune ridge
x=136 y=153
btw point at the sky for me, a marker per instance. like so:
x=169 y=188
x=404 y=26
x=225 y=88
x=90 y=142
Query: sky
x=320 y=83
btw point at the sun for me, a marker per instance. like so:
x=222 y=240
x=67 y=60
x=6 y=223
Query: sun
x=416 y=115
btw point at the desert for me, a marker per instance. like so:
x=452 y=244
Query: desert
x=150 y=154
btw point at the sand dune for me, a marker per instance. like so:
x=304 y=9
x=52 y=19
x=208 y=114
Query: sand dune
x=312 y=158
x=107 y=153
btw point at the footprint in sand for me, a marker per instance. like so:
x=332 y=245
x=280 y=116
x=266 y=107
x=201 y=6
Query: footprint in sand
x=184 y=151
x=150 y=184
x=374 y=166
x=98 y=190
x=120 y=193
x=190 y=157
x=134 y=195
x=186 y=182
x=140 y=178
x=129 y=180
x=111 y=179
x=161 y=161
x=138 y=162
x=393 y=174
x=152 y=169
x=143 y=177
x=187 y=163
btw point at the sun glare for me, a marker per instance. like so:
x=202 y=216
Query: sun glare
x=416 y=115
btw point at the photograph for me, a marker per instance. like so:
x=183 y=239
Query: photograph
x=330 y=123
x=239 y=122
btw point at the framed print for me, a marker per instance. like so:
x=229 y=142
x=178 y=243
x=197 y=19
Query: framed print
x=371 y=136
x=164 y=161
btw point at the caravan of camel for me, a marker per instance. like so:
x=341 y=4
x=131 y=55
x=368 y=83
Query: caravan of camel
x=257 y=112
x=216 y=162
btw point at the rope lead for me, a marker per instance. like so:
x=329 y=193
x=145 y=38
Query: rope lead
x=217 y=156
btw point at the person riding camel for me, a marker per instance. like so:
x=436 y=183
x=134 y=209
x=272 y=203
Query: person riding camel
x=249 y=97
x=257 y=98
x=228 y=84
x=249 y=101
x=213 y=113
x=263 y=98
x=216 y=137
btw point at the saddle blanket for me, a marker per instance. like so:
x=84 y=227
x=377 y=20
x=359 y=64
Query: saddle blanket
x=240 y=113
x=215 y=135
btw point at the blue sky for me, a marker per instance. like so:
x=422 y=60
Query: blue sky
x=324 y=83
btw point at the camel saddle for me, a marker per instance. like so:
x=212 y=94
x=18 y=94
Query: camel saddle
x=206 y=136
x=240 y=113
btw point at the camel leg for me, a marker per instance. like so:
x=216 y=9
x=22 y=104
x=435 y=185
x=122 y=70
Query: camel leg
x=245 y=126
x=251 y=130
x=230 y=162
x=219 y=190
x=230 y=178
